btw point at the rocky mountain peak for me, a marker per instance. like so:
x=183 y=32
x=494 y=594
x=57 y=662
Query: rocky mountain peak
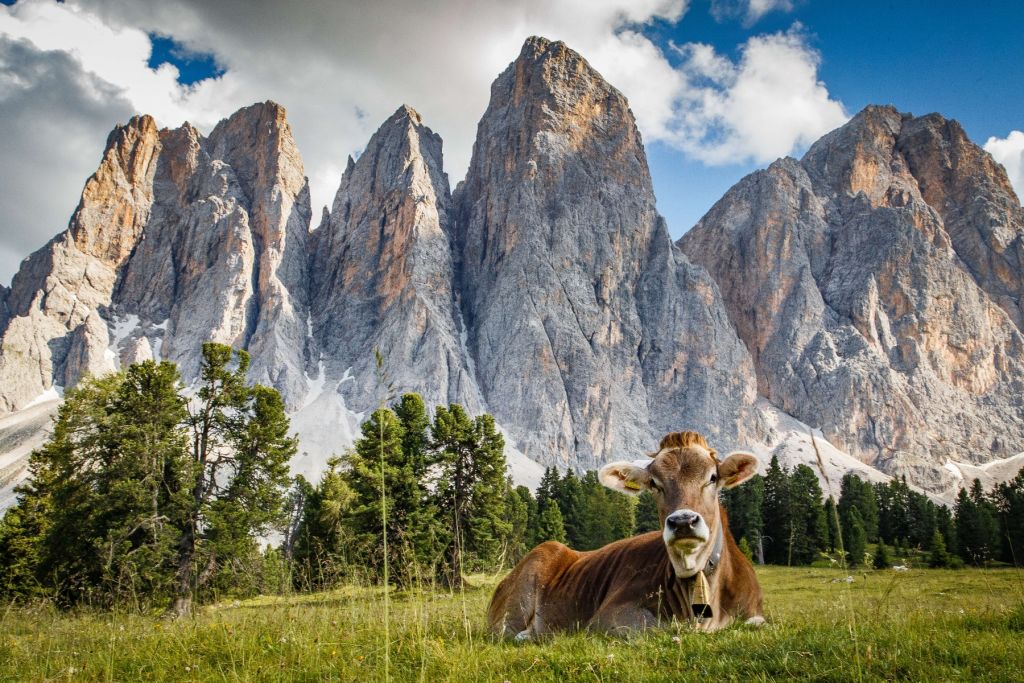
x=382 y=273
x=558 y=296
x=877 y=284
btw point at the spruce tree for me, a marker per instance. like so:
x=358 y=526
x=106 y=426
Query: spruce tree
x=386 y=497
x=549 y=523
x=323 y=551
x=809 y=529
x=1009 y=497
x=569 y=495
x=472 y=488
x=518 y=510
x=976 y=526
x=855 y=537
x=778 y=520
x=938 y=558
x=881 y=558
x=744 y=504
x=646 y=513
x=832 y=524
x=855 y=492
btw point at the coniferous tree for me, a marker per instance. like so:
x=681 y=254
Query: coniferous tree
x=976 y=525
x=238 y=469
x=832 y=524
x=776 y=514
x=881 y=557
x=549 y=522
x=938 y=558
x=384 y=487
x=743 y=504
x=809 y=529
x=520 y=502
x=323 y=551
x=569 y=495
x=855 y=537
x=855 y=492
x=472 y=487
x=646 y=514
x=1009 y=504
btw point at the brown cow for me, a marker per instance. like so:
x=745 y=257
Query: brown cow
x=649 y=579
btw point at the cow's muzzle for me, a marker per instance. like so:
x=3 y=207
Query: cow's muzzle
x=686 y=525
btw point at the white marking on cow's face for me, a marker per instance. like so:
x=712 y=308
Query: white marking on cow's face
x=687 y=544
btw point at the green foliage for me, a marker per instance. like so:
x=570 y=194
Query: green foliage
x=832 y=524
x=1008 y=499
x=855 y=537
x=646 y=514
x=136 y=498
x=881 y=558
x=323 y=547
x=778 y=519
x=745 y=548
x=472 y=489
x=977 y=527
x=744 y=504
x=938 y=558
x=855 y=492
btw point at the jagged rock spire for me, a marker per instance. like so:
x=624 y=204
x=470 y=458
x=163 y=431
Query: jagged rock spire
x=382 y=274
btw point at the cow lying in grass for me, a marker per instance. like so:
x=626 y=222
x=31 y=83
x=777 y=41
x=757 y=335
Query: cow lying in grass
x=690 y=570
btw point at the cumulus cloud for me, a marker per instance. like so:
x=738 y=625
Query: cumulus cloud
x=56 y=118
x=749 y=11
x=757 y=109
x=1009 y=151
x=341 y=68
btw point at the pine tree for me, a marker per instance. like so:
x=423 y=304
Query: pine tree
x=976 y=525
x=1009 y=497
x=881 y=558
x=568 y=494
x=938 y=558
x=832 y=524
x=472 y=487
x=855 y=537
x=855 y=492
x=232 y=499
x=323 y=544
x=809 y=529
x=412 y=414
x=646 y=513
x=520 y=502
x=778 y=521
x=549 y=523
x=384 y=487
x=743 y=504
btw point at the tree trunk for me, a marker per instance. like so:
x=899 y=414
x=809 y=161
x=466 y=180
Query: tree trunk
x=182 y=604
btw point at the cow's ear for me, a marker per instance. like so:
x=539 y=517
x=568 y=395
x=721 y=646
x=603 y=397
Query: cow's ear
x=737 y=468
x=627 y=477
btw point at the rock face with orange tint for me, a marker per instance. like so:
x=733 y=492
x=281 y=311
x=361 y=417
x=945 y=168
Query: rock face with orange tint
x=877 y=284
x=591 y=334
x=178 y=239
x=381 y=275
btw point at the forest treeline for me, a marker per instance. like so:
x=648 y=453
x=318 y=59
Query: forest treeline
x=151 y=495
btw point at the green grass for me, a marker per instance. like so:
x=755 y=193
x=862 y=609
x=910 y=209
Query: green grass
x=921 y=625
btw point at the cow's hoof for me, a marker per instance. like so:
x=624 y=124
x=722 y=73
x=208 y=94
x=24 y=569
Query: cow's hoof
x=756 y=622
x=523 y=636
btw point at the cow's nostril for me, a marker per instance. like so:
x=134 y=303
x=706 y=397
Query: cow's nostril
x=682 y=520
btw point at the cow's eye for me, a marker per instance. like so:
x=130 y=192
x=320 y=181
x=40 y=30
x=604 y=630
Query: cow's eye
x=655 y=486
x=714 y=477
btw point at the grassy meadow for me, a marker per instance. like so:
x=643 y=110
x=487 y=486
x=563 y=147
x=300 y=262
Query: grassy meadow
x=924 y=625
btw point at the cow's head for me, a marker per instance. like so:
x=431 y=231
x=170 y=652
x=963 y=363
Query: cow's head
x=685 y=477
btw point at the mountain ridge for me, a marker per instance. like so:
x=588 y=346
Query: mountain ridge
x=546 y=289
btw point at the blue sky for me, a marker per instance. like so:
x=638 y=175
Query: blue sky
x=719 y=87
x=964 y=60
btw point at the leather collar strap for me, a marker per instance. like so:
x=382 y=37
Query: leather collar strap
x=700 y=586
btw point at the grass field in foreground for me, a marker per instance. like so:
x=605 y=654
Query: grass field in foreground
x=926 y=625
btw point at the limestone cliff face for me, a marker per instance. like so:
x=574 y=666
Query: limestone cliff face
x=569 y=280
x=223 y=256
x=53 y=307
x=876 y=284
x=381 y=275
x=177 y=240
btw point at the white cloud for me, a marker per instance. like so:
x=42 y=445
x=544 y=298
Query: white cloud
x=341 y=68
x=750 y=11
x=1009 y=151
x=762 y=107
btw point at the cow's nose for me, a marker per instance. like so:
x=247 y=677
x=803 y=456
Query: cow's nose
x=685 y=520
